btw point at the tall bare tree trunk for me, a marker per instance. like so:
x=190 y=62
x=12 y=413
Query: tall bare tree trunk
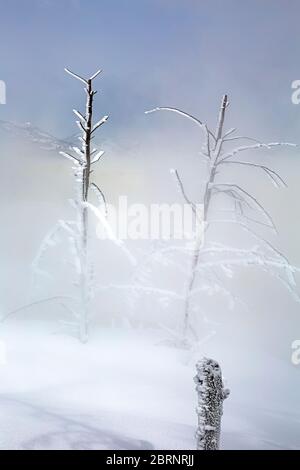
x=84 y=159
x=84 y=223
x=84 y=268
x=206 y=202
x=189 y=288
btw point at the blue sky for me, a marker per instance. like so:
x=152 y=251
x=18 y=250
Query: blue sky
x=183 y=53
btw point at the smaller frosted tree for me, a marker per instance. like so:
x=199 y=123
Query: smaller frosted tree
x=211 y=259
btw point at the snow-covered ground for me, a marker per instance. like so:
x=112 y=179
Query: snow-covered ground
x=128 y=390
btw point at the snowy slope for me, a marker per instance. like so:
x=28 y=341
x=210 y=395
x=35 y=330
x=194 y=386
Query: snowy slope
x=126 y=390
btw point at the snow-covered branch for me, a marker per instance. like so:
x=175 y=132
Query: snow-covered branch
x=99 y=123
x=273 y=175
x=184 y=114
x=236 y=188
x=75 y=75
x=100 y=196
x=180 y=185
x=257 y=146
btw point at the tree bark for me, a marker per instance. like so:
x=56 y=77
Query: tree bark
x=211 y=394
x=206 y=202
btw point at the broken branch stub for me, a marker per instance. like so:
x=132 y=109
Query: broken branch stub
x=211 y=394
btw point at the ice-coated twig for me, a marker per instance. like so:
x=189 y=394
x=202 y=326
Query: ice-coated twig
x=79 y=115
x=182 y=113
x=71 y=311
x=261 y=240
x=145 y=289
x=50 y=241
x=273 y=175
x=38 y=302
x=97 y=157
x=227 y=133
x=99 y=123
x=110 y=233
x=83 y=80
x=70 y=157
x=39 y=137
x=180 y=185
x=260 y=145
x=79 y=152
x=251 y=260
x=100 y=196
x=96 y=74
x=257 y=204
x=240 y=137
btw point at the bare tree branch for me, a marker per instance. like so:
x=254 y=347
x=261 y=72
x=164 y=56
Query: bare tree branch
x=70 y=157
x=79 y=115
x=182 y=190
x=100 y=195
x=252 y=198
x=83 y=80
x=97 y=157
x=271 y=173
x=36 y=302
x=99 y=123
x=240 y=137
x=96 y=74
x=254 y=147
x=240 y=211
x=268 y=245
x=229 y=132
x=182 y=113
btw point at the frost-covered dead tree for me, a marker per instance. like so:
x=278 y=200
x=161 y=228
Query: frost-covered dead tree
x=211 y=394
x=83 y=159
x=209 y=256
x=75 y=231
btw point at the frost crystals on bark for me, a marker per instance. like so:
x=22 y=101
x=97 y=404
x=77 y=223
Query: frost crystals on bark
x=211 y=394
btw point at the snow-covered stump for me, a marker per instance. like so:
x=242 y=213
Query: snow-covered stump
x=211 y=394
